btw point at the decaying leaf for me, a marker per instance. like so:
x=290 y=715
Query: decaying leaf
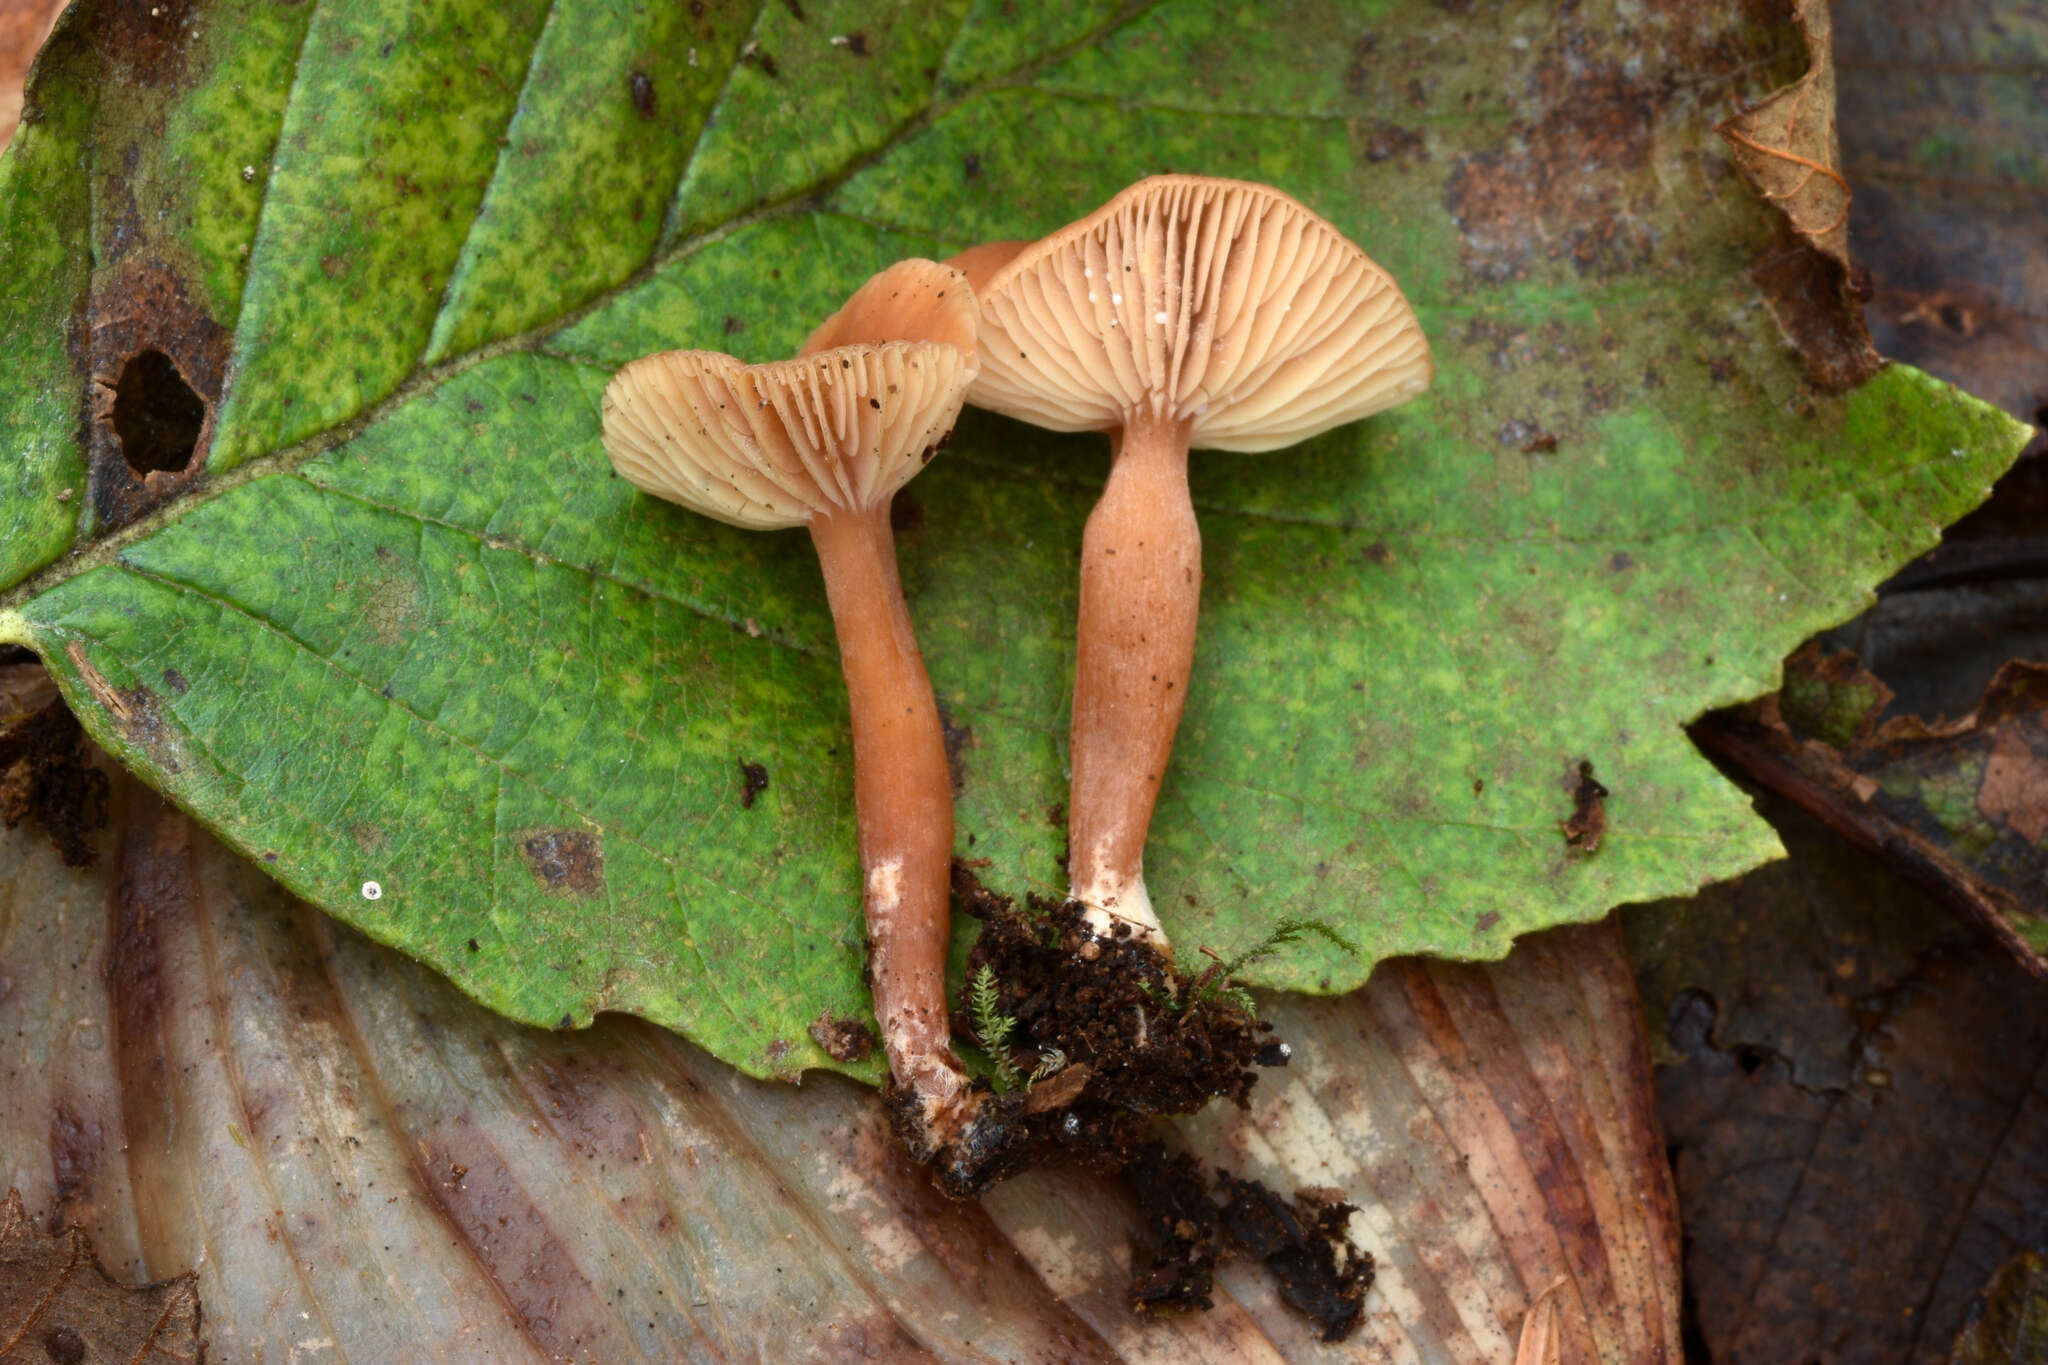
x=2009 y=1324
x=1855 y=1093
x=237 y=1084
x=1960 y=806
x=1945 y=137
x=58 y=1304
x=1787 y=148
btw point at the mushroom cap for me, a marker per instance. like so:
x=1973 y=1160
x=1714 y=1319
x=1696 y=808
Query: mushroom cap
x=1219 y=303
x=913 y=300
x=841 y=427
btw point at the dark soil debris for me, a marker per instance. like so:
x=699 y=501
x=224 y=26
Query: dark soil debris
x=1132 y=1045
x=47 y=772
x=1588 y=820
x=843 y=1040
x=1321 y=1273
x=959 y=739
x=1174 y=1259
x=753 y=781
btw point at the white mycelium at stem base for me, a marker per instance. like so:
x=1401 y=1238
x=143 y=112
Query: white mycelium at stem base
x=1187 y=312
x=824 y=441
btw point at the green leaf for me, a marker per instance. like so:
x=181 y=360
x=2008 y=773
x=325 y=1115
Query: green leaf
x=403 y=628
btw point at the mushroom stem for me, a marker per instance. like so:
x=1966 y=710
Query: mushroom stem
x=1141 y=589
x=903 y=799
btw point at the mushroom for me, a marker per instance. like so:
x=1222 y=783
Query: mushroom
x=1186 y=312
x=823 y=442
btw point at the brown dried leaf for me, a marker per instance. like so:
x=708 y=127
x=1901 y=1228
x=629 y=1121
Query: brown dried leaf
x=57 y=1303
x=195 y=1063
x=1786 y=148
x=1857 y=1104
x=1939 y=101
x=2009 y=1324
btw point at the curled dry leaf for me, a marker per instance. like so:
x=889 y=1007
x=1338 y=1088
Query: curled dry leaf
x=57 y=1303
x=1787 y=150
x=291 y=1094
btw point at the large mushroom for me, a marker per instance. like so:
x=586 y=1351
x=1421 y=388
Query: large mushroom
x=1186 y=312
x=823 y=442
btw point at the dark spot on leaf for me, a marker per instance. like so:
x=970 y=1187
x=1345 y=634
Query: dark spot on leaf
x=1565 y=184
x=906 y=514
x=74 y=1156
x=753 y=55
x=1518 y=431
x=842 y=1039
x=1621 y=562
x=566 y=1021
x=753 y=781
x=1542 y=444
x=796 y=10
x=733 y=325
x=175 y=680
x=972 y=165
x=641 y=86
x=857 y=44
x=1379 y=552
x=1390 y=140
x=473 y=946
x=1486 y=921
x=156 y=363
x=63 y=1346
x=144 y=40
x=959 y=739
x=1588 y=821
x=570 y=860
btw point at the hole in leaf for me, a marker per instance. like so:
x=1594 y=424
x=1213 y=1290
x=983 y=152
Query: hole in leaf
x=157 y=416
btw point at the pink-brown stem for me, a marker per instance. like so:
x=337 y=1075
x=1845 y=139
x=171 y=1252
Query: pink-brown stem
x=903 y=799
x=1141 y=589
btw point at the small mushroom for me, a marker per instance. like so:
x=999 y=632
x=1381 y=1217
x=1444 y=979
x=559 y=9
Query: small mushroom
x=823 y=442
x=1186 y=312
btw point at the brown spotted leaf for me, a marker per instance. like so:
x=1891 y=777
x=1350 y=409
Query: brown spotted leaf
x=58 y=1304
